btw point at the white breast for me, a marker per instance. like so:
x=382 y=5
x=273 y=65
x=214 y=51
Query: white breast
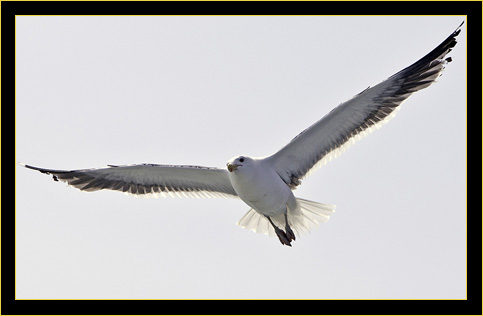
x=259 y=186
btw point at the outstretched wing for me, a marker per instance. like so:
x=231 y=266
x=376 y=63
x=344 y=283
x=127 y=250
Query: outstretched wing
x=354 y=119
x=149 y=179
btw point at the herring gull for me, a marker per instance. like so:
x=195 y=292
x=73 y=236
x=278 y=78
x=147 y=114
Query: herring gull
x=266 y=184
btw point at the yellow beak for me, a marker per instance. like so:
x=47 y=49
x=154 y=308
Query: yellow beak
x=232 y=167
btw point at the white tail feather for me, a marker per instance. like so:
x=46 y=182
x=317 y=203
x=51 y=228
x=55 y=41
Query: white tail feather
x=307 y=215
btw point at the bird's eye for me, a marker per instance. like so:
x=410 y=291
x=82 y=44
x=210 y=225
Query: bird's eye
x=242 y=159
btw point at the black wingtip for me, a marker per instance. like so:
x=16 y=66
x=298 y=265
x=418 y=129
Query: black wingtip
x=460 y=26
x=439 y=52
x=35 y=168
x=43 y=170
x=457 y=31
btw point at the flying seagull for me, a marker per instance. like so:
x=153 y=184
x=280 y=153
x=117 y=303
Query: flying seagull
x=266 y=184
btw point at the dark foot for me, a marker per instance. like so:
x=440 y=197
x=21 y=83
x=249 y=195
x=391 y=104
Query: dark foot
x=288 y=230
x=284 y=239
x=282 y=236
x=289 y=233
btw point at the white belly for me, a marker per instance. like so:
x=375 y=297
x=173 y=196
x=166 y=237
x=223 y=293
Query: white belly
x=262 y=189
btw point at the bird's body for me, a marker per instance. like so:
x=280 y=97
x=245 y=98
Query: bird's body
x=267 y=184
x=259 y=186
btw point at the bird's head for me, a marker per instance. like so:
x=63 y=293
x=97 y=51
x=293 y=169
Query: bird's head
x=234 y=163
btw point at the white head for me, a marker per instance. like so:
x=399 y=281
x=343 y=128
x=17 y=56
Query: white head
x=238 y=162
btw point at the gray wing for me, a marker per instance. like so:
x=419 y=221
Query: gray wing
x=354 y=119
x=149 y=179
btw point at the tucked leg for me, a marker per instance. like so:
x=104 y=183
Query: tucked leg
x=280 y=233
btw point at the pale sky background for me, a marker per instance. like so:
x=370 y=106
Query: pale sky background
x=93 y=91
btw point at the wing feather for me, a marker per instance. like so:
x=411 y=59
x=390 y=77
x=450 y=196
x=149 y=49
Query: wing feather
x=149 y=179
x=357 y=117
